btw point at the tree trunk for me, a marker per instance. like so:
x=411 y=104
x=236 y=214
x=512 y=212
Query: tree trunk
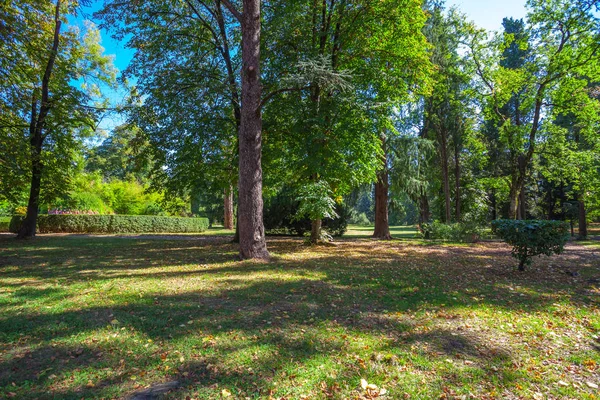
x=382 y=227
x=228 y=206
x=583 y=233
x=445 y=177
x=494 y=206
x=28 y=227
x=36 y=136
x=315 y=231
x=250 y=206
x=457 y=205
x=522 y=212
x=423 y=211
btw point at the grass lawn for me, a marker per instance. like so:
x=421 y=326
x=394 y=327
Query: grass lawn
x=104 y=317
x=398 y=232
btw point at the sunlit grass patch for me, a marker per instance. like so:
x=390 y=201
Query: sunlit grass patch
x=104 y=317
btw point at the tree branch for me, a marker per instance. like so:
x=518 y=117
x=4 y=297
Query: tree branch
x=233 y=10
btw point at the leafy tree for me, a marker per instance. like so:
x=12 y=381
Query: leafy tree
x=563 y=38
x=47 y=114
x=327 y=119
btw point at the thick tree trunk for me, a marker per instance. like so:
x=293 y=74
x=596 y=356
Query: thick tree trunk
x=228 y=207
x=583 y=233
x=36 y=136
x=457 y=172
x=382 y=227
x=315 y=231
x=250 y=206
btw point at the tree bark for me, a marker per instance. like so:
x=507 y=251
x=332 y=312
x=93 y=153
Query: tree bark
x=382 y=227
x=315 y=231
x=228 y=207
x=445 y=176
x=583 y=232
x=522 y=212
x=36 y=136
x=423 y=211
x=457 y=172
x=250 y=206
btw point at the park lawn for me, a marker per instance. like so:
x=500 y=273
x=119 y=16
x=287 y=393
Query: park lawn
x=104 y=317
x=398 y=232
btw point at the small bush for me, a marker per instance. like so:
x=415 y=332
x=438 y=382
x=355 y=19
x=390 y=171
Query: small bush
x=114 y=224
x=466 y=232
x=531 y=238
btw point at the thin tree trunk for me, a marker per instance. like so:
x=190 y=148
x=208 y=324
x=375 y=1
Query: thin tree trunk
x=250 y=207
x=457 y=172
x=494 y=206
x=423 y=211
x=445 y=177
x=228 y=207
x=583 y=232
x=522 y=204
x=36 y=136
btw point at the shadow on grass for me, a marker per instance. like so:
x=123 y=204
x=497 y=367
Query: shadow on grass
x=350 y=288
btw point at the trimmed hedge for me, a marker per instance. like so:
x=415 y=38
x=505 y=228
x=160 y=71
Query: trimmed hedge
x=466 y=232
x=531 y=238
x=114 y=224
x=4 y=224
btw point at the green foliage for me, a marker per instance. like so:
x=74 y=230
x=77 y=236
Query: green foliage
x=74 y=104
x=281 y=216
x=316 y=201
x=359 y=219
x=4 y=224
x=114 y=224
x=531 y=238
x=467 y=232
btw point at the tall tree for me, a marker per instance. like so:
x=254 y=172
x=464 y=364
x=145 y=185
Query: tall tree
x=564 y=39
x=336 y=116
x=42 y=90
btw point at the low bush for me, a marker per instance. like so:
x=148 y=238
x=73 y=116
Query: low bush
x=467 y=232
x=4 y=224
x=531 y=238
x=114 y=224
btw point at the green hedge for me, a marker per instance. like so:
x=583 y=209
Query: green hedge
x=466 y=232
x=4 y=224
x=114 y=224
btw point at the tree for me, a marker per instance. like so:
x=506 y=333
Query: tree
x=342 y=79
x=40 y=90
x=564 y=39
x=447 y=108
x=250 y=209
x=185 y=61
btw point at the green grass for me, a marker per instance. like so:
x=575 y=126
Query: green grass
x=103 y=317
x=398 y=232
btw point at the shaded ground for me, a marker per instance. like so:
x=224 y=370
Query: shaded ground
x=102 y=317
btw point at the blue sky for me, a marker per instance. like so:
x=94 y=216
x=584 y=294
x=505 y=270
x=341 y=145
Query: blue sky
x=487 y=14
